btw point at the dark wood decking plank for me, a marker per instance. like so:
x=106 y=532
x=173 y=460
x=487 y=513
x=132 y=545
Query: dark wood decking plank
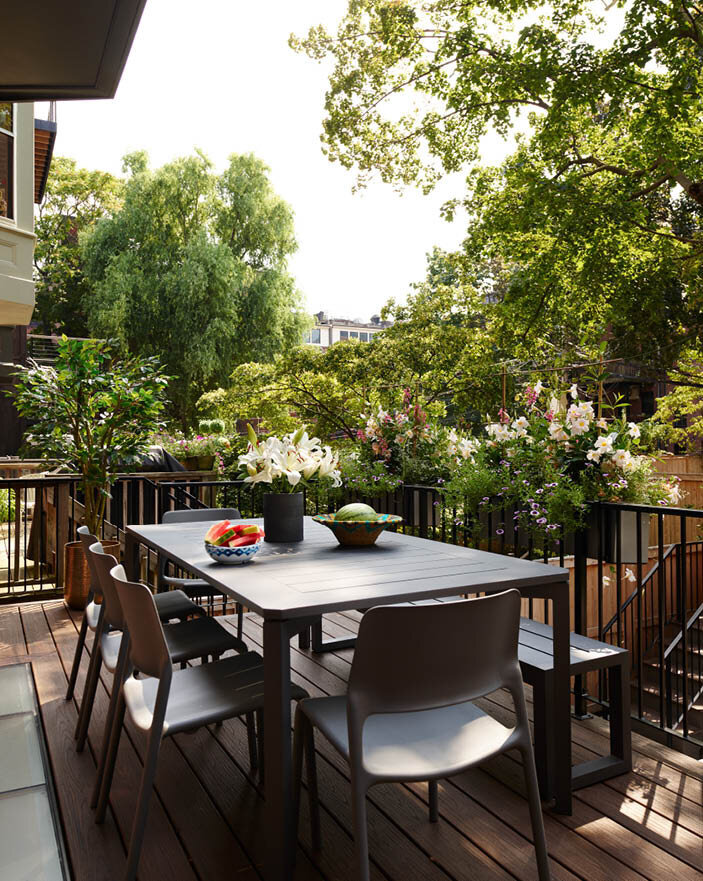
x=482 y=838
x=95 y=853
x=208 y=832
x=11 y=634
x=679 y=843
x=162 y=854
x=648 y=781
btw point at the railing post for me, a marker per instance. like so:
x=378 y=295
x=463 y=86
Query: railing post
x=580 y=613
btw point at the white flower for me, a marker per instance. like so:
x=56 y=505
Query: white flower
x=594 y=456
x=633 y=430
x=630 y=575
x=602 y=422
x=604 y=444
x=574 y=392
x=553 y=404
x=606 y=580
x=521 y=422
x=621 y=458
x=579 y=426
x=538 y=387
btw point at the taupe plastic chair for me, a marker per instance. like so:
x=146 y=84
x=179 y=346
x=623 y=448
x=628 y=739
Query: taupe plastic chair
x=174 y=604
x=408 y=714
x=196 y=587
x=200 y=637
x=164 y=701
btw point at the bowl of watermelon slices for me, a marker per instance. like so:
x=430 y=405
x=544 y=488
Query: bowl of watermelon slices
x=233 y=543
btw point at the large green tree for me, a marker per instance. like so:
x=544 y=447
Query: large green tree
x=596 y=217
x=193 y=269
x=74 y=199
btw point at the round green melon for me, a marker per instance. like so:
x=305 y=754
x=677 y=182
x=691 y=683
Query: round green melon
x=356 y=511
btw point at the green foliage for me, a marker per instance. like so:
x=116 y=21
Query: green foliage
x=679 y=416
x=74 y=200
x=598 y=210
x=211 y=426
x=91 y=412
x=193 y=268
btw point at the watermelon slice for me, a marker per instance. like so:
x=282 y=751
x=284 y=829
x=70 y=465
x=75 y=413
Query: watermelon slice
x=243 y=540
x=225 y=537
x=216 y=530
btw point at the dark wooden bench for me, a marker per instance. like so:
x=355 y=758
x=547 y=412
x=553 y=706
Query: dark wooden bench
x=536 y=655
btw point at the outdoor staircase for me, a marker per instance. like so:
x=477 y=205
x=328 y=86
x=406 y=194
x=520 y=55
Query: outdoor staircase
x=677 y=666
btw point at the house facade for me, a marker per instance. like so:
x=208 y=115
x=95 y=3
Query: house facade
x=328 y=331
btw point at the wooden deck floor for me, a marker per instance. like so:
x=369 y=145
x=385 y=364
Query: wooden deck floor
x=206 y=822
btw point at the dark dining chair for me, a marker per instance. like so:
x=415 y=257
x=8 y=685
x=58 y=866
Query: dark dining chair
x=196 y=587
x=172 y=605
x=200 y=637
x=409 y=713
x=162 y=701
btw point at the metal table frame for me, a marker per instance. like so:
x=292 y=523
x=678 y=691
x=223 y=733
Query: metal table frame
x=399 y=568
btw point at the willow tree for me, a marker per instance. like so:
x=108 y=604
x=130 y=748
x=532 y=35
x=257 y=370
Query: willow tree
x=193 y=269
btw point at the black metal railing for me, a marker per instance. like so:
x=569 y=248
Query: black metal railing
x=636 y=574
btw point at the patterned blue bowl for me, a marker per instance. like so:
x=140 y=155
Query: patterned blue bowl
x=232 y=556
x=357 y=533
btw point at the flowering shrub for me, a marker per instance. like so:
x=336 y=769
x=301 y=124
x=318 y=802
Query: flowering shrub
x=289 y=463
x=545 y=464
x=412 y=446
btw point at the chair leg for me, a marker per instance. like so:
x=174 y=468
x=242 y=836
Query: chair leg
x=528 y=764
x=141 y=813
x=361 y=835
x=251 y=737
x=433 y=798
x=260 y=737
x=311 y=767
x=110 y=758
x=77 y=658
x=91 y=686
x=240 y=619
x=117 y=680
x=298 y=737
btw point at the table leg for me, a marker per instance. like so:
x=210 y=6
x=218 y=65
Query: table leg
x=280 y=819
x=131 y=557
x=562 y=699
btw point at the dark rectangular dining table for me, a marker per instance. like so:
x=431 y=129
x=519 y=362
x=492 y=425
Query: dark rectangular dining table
x=291 y=585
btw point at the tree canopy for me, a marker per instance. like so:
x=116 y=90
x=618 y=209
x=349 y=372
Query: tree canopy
x=596 y=216
x=74 y=199
x=192 y=268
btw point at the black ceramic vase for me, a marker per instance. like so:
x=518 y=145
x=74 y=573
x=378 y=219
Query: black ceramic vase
x=283 y=516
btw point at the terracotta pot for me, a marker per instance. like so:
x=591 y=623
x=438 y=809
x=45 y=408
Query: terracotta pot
x=77 y=573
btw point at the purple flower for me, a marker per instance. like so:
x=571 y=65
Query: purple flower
x=499 y=531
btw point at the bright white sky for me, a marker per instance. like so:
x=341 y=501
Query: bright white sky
x=219 y=75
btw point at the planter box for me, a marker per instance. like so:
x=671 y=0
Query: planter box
x=629 y=552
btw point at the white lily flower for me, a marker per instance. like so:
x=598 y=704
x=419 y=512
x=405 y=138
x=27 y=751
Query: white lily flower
x=630 y=575
x=633 y=430
x=574 y=392
x=602 y=422
x=538 y=387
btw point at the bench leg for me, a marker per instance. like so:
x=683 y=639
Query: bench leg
x=320 y=645
x=544 y=736
x=619 y=691
x=620 y=759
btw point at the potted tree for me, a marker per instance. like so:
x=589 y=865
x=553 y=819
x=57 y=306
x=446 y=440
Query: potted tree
x=91 y=412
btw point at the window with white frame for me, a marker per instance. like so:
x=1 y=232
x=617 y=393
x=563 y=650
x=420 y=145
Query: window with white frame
x=7 y=159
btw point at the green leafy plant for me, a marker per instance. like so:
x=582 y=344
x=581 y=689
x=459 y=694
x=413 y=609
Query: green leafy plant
x=91 y=412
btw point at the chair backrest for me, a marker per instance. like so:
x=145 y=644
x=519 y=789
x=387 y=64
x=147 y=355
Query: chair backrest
x=103 y=563
x=148 y=651
x=88 y=539
x=185 y=515
x=412 y=658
